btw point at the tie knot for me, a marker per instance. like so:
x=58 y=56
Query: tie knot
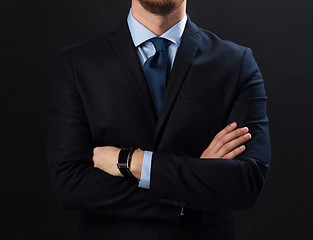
x=159 y=44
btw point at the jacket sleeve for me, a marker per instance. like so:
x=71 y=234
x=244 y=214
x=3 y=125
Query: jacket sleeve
x=78 y=185
x=221 y=184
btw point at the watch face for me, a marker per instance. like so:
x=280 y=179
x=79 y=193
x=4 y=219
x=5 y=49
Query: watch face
x=122 y=165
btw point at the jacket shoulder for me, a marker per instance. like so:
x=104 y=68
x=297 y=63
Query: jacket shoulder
x=226 y=46
x=92 y=43
x=99 y=42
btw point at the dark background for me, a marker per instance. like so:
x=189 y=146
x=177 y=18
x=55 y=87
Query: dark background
x=280 y=32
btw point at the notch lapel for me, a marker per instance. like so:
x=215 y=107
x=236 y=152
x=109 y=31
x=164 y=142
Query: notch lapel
x=126 y=52
x=184 y=57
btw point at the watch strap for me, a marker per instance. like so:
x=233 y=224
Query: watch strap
x=123 y=162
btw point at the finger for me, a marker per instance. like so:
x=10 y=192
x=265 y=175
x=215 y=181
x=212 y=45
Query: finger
x=230 y=137
x=218 y=137
x=235 y=134
x=227 y=148
x=235 y=152
x=227 y=129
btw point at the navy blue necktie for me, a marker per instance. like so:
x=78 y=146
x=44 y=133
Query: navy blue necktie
x=155 y=70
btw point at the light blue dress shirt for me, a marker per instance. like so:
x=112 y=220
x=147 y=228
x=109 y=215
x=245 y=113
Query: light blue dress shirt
x=145 y=49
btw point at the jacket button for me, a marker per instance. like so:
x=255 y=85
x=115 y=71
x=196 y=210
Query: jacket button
x=176 y=203
x=162 y=200
x=182 y=204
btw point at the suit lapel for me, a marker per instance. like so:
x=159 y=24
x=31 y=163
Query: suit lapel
x=184 y=57
x=126 y=51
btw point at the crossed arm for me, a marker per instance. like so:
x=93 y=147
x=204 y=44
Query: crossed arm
x=227 y=144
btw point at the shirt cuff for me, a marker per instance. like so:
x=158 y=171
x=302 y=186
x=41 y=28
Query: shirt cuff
x=144 y=181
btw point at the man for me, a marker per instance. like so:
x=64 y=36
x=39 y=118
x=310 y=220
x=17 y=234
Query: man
x=182 y=112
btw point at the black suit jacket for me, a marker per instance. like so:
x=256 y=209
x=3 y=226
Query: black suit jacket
x=101 y=98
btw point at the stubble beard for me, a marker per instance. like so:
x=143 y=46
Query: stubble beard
x=161 y=7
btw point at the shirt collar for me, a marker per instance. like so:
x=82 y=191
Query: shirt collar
x=140 y=33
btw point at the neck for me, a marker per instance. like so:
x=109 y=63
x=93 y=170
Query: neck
x=158 y=24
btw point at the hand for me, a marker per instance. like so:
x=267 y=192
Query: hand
x=228 y=143
x=105 y=158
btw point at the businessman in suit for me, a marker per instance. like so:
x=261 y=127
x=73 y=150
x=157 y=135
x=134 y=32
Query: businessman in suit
x=183 y=110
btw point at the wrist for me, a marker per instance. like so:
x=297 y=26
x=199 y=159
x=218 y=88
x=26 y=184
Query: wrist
x=136 y=163
x=118 y=173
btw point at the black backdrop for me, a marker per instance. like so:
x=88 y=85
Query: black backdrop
x=280 y=32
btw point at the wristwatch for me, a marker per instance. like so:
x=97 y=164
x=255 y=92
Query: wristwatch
x=123 y=162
